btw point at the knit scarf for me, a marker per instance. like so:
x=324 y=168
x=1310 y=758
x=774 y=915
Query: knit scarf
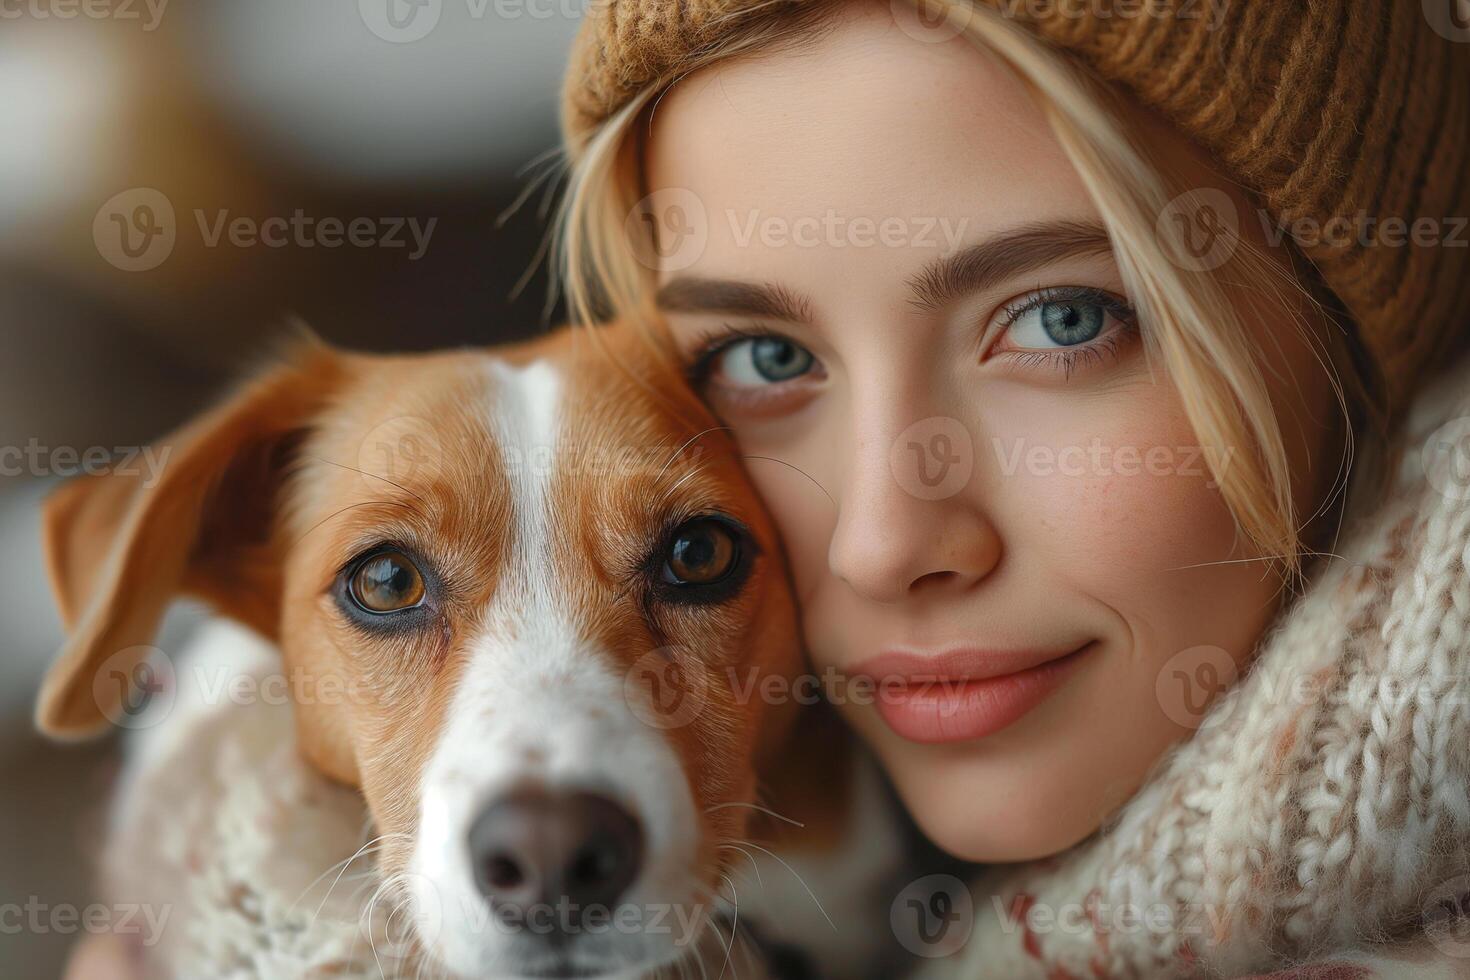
x=1323 y=803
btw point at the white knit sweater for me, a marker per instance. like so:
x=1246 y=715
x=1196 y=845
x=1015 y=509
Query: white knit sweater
x=1322 y=807
x=218 y=820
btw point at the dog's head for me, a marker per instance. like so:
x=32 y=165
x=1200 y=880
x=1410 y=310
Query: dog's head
x=523 y=597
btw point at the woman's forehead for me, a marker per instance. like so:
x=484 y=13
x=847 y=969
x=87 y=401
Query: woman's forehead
x=857 y=167
x=863 y=93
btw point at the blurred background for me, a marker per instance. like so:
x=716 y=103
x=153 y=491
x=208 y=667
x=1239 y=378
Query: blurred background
x=178 y=178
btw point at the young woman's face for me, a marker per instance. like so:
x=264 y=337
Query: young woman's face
x=1004 y=535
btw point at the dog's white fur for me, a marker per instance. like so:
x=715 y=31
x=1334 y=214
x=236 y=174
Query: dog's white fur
x=534 y=664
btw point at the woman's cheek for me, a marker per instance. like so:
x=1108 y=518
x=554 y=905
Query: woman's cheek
x=1135 y=523
x=793 y=465
x=1117 y=477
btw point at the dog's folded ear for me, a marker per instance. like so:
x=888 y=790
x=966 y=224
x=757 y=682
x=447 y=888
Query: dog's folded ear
x=200 y=520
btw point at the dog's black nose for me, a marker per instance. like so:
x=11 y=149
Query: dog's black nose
x=562 y=850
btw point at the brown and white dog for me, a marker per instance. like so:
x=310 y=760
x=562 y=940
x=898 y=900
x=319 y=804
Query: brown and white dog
x=547 y=580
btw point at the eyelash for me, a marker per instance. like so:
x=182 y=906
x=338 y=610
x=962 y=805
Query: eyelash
x=1042 y=295
x=715 y=341
x=1067 y=360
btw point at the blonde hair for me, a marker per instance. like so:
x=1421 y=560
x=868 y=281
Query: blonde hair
x=1189 y=323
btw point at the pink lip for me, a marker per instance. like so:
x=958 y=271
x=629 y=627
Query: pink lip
x=959 y=695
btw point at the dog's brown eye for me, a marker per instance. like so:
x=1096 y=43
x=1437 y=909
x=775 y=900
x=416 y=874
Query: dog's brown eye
x=701 y=552
x=387 y=583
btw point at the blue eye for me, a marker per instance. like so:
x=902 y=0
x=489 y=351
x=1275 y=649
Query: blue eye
x=1058 y=318
x=1058 y=324
x=1072 y=323
x=763 y=361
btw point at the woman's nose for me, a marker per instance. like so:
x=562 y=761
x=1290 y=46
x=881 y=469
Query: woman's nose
x=902 y=530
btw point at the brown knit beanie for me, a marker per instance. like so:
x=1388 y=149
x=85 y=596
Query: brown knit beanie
x=1354 y=110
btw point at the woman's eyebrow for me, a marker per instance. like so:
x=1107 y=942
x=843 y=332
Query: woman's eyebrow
x=1011 y=253
x=1023 y=249
x=689 y=294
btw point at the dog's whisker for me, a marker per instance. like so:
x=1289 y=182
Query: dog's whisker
x=385 y=885
x=366 y=884
x=798 y=469
x=338 y=513
x=368 y=920
x=700 y=950
x=369 y=876
x=372 y=937
x=344 y=865
x=734 y=926
x=751 y=857
x=757 y=807
x=375 y=476
x=800 y=879
x=683 y=480
x=687 y=443
x=422 y=963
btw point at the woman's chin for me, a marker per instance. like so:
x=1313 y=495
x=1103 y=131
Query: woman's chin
x=978 y=811
x=996 y=835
